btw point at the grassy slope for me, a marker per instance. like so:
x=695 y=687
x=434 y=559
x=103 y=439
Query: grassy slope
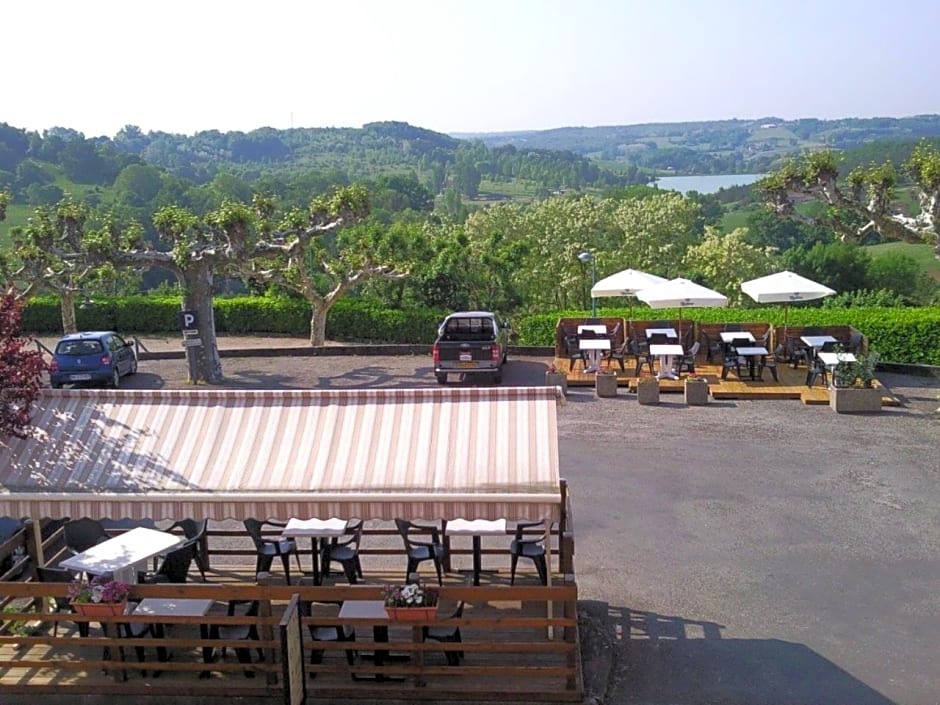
x=922 y=253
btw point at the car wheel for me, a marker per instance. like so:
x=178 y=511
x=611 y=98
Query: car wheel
x=115 y=378
x=442 y=379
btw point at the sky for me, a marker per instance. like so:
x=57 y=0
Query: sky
x=460 y=66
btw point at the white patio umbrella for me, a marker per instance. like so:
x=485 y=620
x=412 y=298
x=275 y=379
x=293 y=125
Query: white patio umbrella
x=625 y=283
x=681 y=293
x=784 y=288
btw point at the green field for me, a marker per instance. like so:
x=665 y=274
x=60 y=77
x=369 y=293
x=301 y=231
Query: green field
x=922 y=253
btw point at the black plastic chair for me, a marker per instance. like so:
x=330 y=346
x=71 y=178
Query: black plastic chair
x=239 y=632
x=532 y=548
x=713 y=346
x=335 y=632
x=174 y=568
x=687 y=361
x=269 y=548
x=344 y=551
x=617 y=355
x=419 y=551
x=82 y=534
x=573 y=352
x=643 y=357
x=447 y=634
x=62 y=604
x=195 y=531
x=817 y=368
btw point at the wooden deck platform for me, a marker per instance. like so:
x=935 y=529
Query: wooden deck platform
x=791 y=384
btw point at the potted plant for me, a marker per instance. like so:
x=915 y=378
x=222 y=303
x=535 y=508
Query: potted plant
x=605 y=383
x=853 y=389
x=647 y=390
x=696 y=390
x=556 y=378
x=411 y=602
x=99 y=597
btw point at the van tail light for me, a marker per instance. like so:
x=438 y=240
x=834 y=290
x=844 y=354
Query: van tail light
x=105 y=359
x=494 y=353
x=436 y=353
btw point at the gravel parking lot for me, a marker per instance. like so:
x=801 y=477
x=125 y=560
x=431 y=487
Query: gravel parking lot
x=741 y=552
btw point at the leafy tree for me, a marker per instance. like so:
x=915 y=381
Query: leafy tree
x=53 y=249
x=864 y=202
x=725 y=261
x=839 y=265
x=21 y=371
x=903 y=275
x=327 y=255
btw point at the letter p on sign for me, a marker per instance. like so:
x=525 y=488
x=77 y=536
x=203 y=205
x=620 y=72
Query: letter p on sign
x=188 y=320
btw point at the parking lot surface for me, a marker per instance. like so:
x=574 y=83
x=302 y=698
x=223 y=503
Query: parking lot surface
x=742 y=552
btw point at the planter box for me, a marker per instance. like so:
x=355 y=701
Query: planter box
x=605 y=385
x=557 y=379
x=647 y=391
x=100 y=609
x=696 y=392
x=412 y=614
x=852 y=400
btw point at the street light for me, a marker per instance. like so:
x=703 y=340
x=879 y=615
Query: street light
x=584 y=258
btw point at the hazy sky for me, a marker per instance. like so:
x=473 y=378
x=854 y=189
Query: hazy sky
x=473 y=66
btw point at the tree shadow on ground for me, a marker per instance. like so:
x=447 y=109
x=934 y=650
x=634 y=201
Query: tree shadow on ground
x=664 y=659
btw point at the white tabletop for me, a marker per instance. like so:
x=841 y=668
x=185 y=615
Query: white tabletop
x=599 y=329
x=123 y=551
x=363 y=609
x=817 y=341
x=668 y=332
x=476 y=527
x=666 y=350
x=752 y=351
x=315 y=527
x=728 y=336
x=594 y=344
x=173 y=607
x=831 y=359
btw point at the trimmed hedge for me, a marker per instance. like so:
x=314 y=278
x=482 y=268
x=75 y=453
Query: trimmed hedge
x=909 y=335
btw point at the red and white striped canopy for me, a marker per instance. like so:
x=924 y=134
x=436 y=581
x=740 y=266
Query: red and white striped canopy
x=376 y=454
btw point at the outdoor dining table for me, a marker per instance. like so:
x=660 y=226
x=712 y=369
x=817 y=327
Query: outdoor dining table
x=318 y=530
x=593 y=344
x=177 y=607
x=124 y=555
x=832 y=359
x=817 y=341
x=668 y=332
x=477 y=529
x=752 y=354
x=729 y=336
x=666 y=354
x=374 y=611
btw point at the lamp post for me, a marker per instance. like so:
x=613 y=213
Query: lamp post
x=584 y=258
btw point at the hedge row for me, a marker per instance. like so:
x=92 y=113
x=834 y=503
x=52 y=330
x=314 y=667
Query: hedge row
x=910 y=335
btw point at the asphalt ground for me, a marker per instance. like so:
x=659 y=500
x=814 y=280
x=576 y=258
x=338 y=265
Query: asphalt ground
x=742 y=552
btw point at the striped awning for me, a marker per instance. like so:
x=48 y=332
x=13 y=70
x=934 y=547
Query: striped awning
x=375 y=454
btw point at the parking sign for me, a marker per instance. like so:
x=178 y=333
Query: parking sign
x=189 y=320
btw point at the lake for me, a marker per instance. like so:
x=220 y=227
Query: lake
x=706 y=184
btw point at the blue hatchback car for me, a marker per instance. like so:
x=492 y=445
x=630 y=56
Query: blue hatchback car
x=99 y=356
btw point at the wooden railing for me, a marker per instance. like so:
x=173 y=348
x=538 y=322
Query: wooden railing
x=518 y=643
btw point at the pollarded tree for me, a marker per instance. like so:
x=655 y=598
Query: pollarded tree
x=50 y=252
x=865 y=202
x=224 y=241
x=21 y=371
x=326 y=263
